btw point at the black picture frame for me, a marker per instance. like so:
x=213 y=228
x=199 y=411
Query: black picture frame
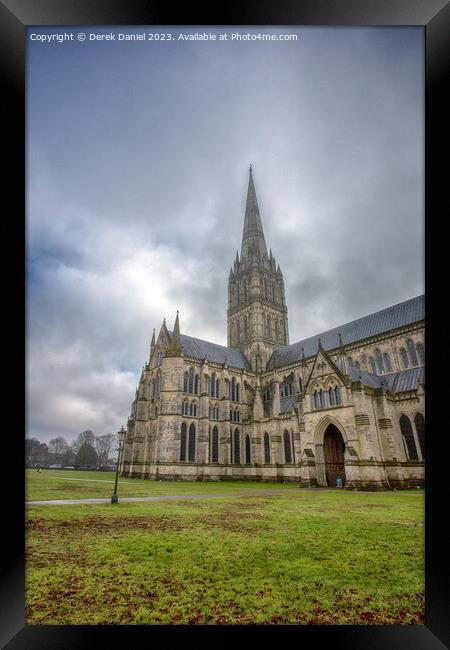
x=434 y=16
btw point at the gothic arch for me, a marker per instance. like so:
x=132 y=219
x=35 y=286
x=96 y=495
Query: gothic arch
x=332 y=382
x=323 y=477
x=322 y=427
x=407 y=432
x=191 y=443
x=419 y=424
x=215 y=445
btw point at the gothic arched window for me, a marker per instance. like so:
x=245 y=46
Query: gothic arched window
x=387 y=362
x=332 y=397
x=404 y=358
x=196 y=384
x=233 y=390
x=215 y=445
x=247 y=450
x=183 y=442
x=212 y=385
x=412 y=352
x=287 y=447
x=186 y=382
x=191 y=446
x=379 y=361
x=237 y=447
x=191 y=381
x=316 y=399
x=419 y=421
x=372 y=365
x=421 y=353
x=337 y=394
x=321 y=399
x=266 y=448
x=238 y=392
x=408 y=436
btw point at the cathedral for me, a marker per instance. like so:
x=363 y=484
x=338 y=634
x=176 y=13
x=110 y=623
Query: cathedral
x=344 y=408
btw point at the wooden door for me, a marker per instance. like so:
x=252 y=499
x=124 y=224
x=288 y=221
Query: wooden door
x=333 y=446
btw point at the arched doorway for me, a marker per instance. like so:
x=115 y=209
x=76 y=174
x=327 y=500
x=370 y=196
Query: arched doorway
x=333 y=448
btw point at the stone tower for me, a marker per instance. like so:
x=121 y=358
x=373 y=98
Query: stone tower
x=257 y=312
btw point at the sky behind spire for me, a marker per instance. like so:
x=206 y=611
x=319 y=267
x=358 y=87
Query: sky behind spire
x=137 y=172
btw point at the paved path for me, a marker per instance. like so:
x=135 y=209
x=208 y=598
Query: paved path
x=162 y=497
x=92 y=480
x=248 y=493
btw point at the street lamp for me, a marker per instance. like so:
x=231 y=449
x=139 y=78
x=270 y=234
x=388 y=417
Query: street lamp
x=121 y=435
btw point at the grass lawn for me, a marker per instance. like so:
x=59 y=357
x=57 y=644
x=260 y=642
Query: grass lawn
x=73 y=484
x=298 y=557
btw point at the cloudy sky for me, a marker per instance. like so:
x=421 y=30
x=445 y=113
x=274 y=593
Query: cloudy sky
x=137 y=170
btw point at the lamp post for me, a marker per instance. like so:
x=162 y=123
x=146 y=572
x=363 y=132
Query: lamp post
x=121 y=435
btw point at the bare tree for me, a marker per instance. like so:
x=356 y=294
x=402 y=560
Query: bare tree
x=103 y=445
x=86 y=456
x=85 y=436
x=58 y=446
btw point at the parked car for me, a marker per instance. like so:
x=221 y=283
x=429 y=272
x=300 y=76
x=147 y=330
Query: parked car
x=55 y=466
x=69 y=467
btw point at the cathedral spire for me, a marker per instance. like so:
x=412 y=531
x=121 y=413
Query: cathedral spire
x=253 y=242
x=175 y=347
x=152 y=344
x=176 y=329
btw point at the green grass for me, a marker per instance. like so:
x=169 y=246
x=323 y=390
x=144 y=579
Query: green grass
x=72 y=484
x=297 y=557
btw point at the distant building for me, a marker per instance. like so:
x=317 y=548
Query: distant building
x=346 y=404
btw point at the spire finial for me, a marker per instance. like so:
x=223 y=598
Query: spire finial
x=176 y=327
x=250 y=168
x=175 y=347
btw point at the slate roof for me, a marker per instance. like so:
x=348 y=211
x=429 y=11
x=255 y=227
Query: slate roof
x=397 y=382
x=367 y=378
x=287 y=403
x=198 y=349
x=404 y=313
